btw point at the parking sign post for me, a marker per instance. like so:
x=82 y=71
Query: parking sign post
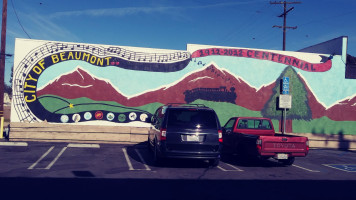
x=285 y=101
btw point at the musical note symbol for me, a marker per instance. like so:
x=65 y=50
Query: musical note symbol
x=132 y=56
x=62 y=46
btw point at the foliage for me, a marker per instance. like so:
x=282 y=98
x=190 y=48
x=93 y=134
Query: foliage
x=300 y=106
x=8 y=89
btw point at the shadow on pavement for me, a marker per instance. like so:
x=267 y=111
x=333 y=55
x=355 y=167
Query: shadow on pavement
x=94 y=188
x=147 y=155
x=245 y=161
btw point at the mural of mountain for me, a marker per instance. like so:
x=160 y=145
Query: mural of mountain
x=210 y=77
x=344 y=110
x=81 y=83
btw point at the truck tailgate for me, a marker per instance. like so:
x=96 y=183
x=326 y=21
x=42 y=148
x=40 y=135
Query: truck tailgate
x=293 y=145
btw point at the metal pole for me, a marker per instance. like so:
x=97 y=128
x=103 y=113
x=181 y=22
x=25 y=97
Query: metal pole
x=284 y=25
x=2 y=64
x=284 y=121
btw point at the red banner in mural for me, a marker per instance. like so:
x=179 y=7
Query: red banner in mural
x=265 y=55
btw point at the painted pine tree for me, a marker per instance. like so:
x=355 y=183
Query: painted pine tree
x=300 y=106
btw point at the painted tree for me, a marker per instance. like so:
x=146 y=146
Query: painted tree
x=300 y=106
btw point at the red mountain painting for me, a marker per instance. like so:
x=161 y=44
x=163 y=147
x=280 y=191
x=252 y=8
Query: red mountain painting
x=80 y=83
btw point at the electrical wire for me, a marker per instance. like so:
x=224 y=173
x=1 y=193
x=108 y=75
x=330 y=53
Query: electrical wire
x=12 y=3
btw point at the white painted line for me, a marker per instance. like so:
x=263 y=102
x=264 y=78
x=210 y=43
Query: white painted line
x=84 y=145
x=227 y=170
x=43 y=156
x=345 y=167
x=309 y=170
x=56 y=158
x=127 y=159
x=142 y=160
x=19 y=144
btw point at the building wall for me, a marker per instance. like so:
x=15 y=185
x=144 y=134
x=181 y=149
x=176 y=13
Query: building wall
x=67 y=83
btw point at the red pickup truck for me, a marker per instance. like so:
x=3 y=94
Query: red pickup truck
x=255 y=136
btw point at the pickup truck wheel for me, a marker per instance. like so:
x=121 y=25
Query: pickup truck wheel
x=288 y=161
x=214 y=162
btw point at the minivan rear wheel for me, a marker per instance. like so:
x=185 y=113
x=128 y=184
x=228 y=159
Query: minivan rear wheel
x=214 y=162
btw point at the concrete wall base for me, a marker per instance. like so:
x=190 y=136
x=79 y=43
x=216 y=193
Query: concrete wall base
x=121 y=134
x=74 y=133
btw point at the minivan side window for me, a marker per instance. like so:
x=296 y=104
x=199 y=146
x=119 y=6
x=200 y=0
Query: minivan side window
x=158 y=116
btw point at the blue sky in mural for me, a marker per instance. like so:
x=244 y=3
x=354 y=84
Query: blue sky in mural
x=173 y=24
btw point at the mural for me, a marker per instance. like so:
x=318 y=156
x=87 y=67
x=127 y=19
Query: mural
x=66 y=83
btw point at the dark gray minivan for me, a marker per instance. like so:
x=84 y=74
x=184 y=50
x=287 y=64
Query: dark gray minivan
x=185 y=131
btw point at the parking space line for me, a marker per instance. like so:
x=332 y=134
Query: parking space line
x=127 y=159
x=142 y=160
x=309 y=170
x=41 y=158
x=342 y=167
x=227 y=170
x=56 y=158
x=22 y=144
x=83 y=145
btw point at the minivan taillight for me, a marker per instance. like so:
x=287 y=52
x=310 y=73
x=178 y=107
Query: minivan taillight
x=259 y=144
x=163 y=134
x=220 y=136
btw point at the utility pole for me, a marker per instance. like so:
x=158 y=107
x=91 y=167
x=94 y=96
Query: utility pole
x=2 y=64
x=284 y=15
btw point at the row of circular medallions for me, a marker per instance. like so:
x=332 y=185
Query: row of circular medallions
x=100 y=115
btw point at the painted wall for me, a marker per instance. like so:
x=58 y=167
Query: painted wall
x=62 y=82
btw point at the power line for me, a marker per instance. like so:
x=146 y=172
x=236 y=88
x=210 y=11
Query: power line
x=12 y=3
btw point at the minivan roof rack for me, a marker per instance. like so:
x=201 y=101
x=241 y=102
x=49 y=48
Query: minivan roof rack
x=185 y=104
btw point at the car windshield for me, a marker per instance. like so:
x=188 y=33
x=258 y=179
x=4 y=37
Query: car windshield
x=192 y=118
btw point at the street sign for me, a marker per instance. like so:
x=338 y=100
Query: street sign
x=285 y=101
x=285 y=80
x=285 y=85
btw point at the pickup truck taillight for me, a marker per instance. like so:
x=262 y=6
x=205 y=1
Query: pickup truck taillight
x=163 y=134
x=220 y=136
x=259 y=144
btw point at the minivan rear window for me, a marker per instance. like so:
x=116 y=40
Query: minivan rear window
x=194 y=118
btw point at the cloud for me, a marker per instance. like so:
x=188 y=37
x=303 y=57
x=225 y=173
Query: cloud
x=118 y=12
x=114 y=11
x=44 y=28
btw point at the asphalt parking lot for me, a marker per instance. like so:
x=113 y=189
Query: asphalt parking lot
x=323 y=173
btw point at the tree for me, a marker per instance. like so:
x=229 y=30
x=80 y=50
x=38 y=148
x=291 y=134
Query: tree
x=8 y=89
x=12 y=74
x=300 y=105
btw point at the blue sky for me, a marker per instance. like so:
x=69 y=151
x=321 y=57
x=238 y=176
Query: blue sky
x=170 y=24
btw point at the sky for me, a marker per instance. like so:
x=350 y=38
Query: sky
x=171 y=24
